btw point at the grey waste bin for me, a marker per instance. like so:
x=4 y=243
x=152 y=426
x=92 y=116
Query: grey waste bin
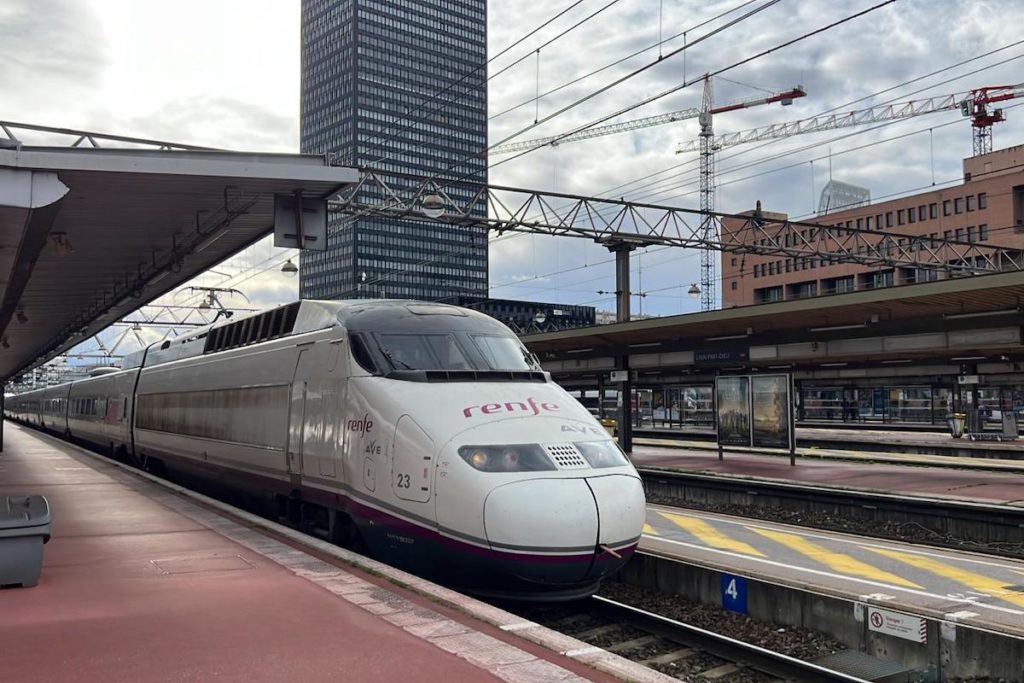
x=956 y=425
x=24 y=528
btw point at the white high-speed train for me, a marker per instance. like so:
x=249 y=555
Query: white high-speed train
x=426 y=431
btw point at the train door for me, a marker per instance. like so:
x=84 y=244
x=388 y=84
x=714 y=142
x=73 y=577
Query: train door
x=296 y=420
x=412 y=459
x=316 y=437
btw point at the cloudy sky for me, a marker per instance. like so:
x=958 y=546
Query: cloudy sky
x=225 y=73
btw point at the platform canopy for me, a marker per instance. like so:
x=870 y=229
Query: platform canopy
x=89 y=235
x=938 y=306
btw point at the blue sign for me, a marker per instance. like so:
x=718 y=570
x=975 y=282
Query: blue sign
x=734 y=593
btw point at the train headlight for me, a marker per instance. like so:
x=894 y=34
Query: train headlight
x=602 y=453
x=513 y=458
x=478 y=459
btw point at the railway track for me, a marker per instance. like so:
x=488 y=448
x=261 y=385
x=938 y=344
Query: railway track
x=675 y=648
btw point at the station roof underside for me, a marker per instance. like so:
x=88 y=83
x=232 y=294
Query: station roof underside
x=918 y=302
x=89 y=235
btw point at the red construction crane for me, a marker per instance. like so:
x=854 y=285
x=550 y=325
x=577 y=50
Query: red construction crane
x=975 y=105
x=982 y=118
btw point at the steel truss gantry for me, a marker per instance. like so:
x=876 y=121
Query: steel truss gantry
x=617 y=222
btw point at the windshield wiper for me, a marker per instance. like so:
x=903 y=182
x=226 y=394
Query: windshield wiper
x=397 y=362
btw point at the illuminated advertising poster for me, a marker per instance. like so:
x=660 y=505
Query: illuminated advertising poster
x=770 y=401
x=733 y=410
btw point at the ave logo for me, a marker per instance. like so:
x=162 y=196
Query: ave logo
x=584 y=429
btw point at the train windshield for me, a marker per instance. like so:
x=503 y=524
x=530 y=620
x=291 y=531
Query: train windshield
x=459 y=351
x=503 y=353
x=423 y=352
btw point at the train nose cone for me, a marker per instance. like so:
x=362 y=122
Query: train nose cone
x=549 y=527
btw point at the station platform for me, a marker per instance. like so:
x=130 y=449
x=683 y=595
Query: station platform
x=878 y=440
x=141 y=582
x=920 y=475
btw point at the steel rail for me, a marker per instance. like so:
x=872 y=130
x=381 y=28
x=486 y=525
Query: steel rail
x=736 y=651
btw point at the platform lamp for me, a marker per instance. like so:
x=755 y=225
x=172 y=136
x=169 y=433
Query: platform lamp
x=289 y=268
x=432 y=206
x=694 y=291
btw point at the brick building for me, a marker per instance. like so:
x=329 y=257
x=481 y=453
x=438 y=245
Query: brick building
x=988 y=207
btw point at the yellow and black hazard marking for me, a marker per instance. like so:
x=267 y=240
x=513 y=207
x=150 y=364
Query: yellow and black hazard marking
x=933 y=573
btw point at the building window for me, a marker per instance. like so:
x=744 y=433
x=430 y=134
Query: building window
x=933 y=210
x=958 y=205
x=900 y=216
x=970 y=233
x=983 y=232
x=734 y=262
x=882 y=279
x=868 y=221
x=734 y=285
x=888 y=219
x=970 y=202
x=947 y=207
x=878 y=222
x=947 y=235
x=860 y=223
x=959 y=234
x=922 y=212
x=910 y=215
x=982 y=200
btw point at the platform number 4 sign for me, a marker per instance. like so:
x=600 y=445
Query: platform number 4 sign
x=734 y=593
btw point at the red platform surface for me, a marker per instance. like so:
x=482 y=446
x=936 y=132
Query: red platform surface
x=134 y=590
x=1000 y=487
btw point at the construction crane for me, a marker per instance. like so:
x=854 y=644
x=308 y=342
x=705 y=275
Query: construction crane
x=975 y=105
x=783 y=98
x=705 y=115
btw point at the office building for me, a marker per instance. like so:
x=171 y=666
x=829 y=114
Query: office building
x=398 y=86
x=986 y=208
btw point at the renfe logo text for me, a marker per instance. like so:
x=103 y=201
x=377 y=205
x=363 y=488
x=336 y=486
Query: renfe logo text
x=361 y=426
x=529 y=406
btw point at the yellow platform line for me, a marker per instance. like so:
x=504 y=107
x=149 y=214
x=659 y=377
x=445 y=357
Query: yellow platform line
x=650 y=530
x=976 y=582
x=838 y=562
x=710 y=535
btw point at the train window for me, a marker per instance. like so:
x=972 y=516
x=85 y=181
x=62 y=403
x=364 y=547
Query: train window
x=408 y=352
x=447 y=350
x=504 y=353
x=362 y=354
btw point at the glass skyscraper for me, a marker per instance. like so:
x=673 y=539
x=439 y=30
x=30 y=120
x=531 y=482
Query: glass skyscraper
x=399 y=86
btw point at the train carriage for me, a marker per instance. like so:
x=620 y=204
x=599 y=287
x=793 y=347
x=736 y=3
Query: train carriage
x=425 y=431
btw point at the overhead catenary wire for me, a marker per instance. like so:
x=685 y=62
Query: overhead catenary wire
x=610 y=65
x=385 y=138
x=676 y=182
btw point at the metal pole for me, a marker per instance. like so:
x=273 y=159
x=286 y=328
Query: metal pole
x=625 y=426
x=792 y=424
